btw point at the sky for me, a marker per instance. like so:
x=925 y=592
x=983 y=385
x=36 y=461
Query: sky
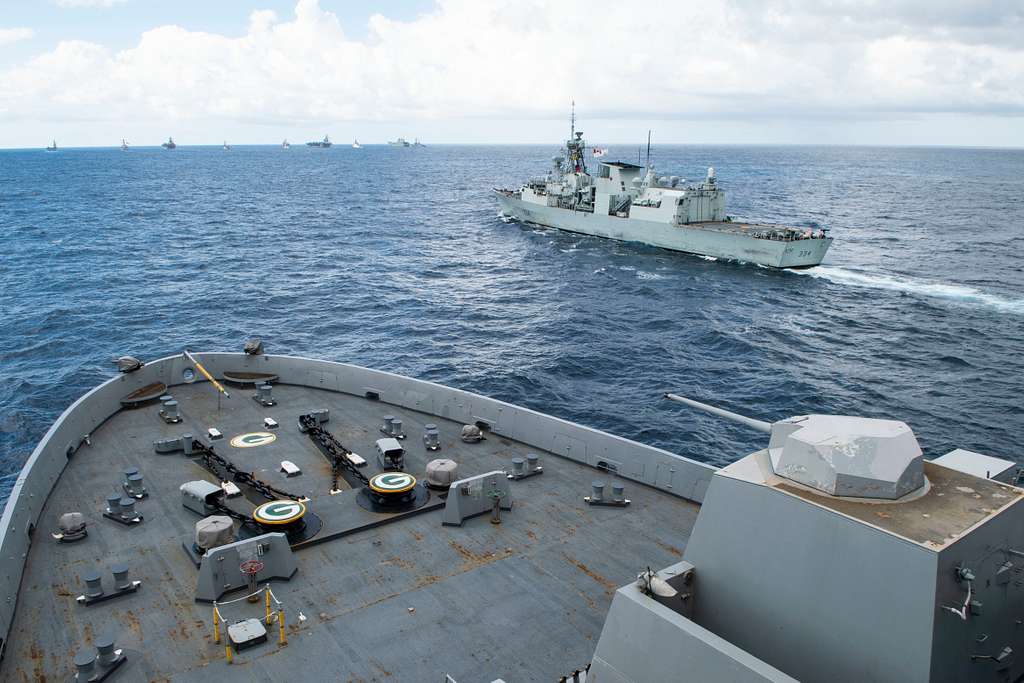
x=882 y=72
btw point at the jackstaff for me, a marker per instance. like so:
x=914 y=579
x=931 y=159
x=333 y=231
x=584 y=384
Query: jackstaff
x=206 y=374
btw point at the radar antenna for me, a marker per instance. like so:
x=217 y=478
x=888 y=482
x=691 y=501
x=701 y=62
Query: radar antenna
x=574 y=147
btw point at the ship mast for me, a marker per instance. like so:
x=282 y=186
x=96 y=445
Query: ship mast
x=577 y=162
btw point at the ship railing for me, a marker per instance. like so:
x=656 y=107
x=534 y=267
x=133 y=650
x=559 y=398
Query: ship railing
x=766 y=233
x=789 y=235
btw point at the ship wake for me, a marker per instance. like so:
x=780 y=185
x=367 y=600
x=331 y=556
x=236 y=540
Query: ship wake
x=940 y=290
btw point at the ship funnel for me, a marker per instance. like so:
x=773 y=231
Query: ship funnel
x=759 y=425
x=838 y=455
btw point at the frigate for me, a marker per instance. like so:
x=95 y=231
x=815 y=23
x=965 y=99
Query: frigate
x=170 y=144
x=633 y=203
x=400 y=142
x=326 y=142
x=257 y=517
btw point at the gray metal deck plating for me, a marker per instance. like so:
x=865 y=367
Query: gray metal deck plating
x=409 y=601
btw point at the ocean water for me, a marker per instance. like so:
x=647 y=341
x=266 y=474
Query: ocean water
x=397 y=259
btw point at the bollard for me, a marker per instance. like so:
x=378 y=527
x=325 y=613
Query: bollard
x=431 y=437
x=121 y=581
x=84 y=663
x=618 y=491
x=114 y=504
x=93 y=584
x=105 y=649
x=598 y=488
x=128 y=509
x=518 y=467
x=388 y=426
x=533 y=462
x=133 y=484
x=170 y=411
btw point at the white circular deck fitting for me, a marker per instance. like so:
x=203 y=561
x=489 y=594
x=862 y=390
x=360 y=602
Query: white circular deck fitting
x=253 y=439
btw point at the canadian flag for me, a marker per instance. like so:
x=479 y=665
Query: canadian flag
x=600 y=152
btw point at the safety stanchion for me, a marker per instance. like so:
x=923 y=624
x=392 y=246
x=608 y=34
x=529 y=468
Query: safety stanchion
x=273 y=608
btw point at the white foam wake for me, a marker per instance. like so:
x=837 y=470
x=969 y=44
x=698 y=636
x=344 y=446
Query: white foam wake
x=942 y=290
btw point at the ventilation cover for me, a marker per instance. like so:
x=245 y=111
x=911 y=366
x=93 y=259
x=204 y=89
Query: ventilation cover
x=214 y=531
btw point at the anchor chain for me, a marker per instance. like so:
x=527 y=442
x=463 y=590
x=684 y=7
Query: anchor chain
x=223 y=468
x=333 y=450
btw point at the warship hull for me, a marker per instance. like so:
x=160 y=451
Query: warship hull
x=724 y=240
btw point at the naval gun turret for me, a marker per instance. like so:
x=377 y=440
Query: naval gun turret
x=838 y=454
x=836 y=553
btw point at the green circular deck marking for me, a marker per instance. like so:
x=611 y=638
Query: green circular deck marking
x=279 y=512
x=392 y=482
x=253 y=439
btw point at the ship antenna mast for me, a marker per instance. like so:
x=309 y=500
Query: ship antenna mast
x=572 y=120
x=648 y=149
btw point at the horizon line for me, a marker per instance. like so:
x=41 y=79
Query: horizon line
x=538 y=144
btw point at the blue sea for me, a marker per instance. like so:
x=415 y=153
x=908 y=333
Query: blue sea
x=397 y=259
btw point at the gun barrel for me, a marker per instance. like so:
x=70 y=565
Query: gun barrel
x=759 y=425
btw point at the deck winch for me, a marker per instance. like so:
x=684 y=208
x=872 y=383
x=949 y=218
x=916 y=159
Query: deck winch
x=393 y=492
x=281 y=515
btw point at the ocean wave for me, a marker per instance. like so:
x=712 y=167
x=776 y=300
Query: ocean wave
x=644 y=275
x=940 y=290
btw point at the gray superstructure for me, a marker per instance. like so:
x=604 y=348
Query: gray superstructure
x=632 y=203
x=836 y=553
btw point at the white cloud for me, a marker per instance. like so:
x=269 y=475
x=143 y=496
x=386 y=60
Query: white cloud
x=510 y=59
x=89 y=3
x=13 y=35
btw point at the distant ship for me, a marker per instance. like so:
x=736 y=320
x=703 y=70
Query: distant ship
x=326 y=142
x=226 y=146
x=632 y=203
x=53 y=147
x=400 y=142
x=417 y=143
x=356 y=145
x=124 y=145
x=285 y=145
x=169 y=144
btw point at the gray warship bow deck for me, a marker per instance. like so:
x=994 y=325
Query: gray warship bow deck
x=524 y=599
